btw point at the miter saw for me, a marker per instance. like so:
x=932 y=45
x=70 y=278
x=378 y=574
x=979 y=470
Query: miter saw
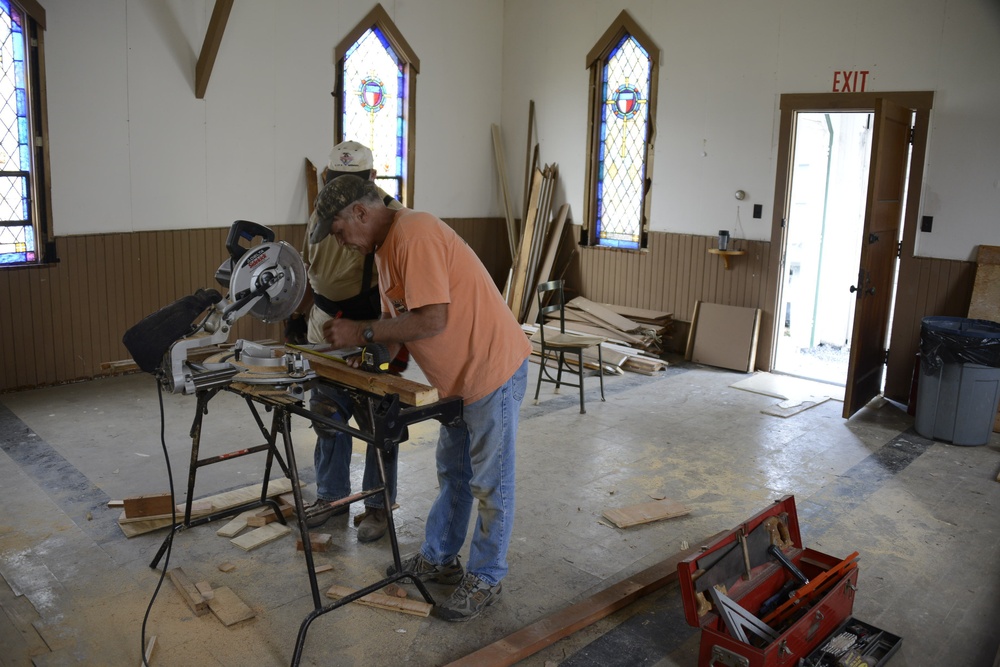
x=266 y=280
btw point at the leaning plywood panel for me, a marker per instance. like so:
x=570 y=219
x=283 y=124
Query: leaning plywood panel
x=725 y=336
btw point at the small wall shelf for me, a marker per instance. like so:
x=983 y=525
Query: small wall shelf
x=726 y=254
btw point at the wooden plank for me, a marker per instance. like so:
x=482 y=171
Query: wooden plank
x=228 y=608
x=647 y=512
x=985 y=302
x=210 y=47
x=528 y=164
x=725 y=336
x=521 y=263
x=188 y=591
x=258 y=537
x=381 y=601
x=548 y=630
x=147 y=655
x=606 y=314
x=504 y=189
x=235 y=526
x=380 y=384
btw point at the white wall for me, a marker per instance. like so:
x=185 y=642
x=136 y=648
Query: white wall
x=724 y=66
x=132 y=149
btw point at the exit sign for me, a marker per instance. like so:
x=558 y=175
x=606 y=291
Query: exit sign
x=850 y=82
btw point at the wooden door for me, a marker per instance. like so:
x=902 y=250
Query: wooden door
x=873 y=291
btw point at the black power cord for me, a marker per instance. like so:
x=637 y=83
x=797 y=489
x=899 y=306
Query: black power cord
x=173 y=522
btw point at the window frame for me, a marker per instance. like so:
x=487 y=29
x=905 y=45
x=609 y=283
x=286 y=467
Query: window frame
x=378 y=18
x=596 y=61
x=39 y=183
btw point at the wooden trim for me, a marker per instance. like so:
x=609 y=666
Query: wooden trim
x=34 y=9
x=210 y=47
x=819 y=102
x=622 y=24
x=378 y=17
x=564 y=622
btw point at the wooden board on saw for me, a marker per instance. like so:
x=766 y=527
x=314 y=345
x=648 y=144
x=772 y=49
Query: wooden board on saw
x=380 y=384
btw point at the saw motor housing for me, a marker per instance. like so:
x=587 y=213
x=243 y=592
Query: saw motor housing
x=266 y=280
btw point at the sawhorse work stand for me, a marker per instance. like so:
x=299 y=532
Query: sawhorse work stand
x=383 y=422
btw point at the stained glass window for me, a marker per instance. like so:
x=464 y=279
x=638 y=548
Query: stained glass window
x=622 y=145
x=17 y=233
x=373 y=106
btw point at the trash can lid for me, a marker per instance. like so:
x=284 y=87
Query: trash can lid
x=961 y=326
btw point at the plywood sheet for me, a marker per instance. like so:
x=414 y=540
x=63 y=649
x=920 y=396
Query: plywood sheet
x=725 y=336
x=633 y=515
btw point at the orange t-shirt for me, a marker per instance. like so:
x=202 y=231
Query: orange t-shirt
x=424 y=262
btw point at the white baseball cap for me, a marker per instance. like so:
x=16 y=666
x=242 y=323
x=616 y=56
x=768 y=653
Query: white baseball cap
x=350 y=156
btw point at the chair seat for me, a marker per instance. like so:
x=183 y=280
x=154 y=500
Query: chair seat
x=572 y=340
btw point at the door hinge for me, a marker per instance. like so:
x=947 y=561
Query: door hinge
x=911 y=136
x=782 y=223
x=885 y=358
x=899 y=249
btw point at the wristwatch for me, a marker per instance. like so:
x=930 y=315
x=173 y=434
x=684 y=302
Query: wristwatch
x=368 y=334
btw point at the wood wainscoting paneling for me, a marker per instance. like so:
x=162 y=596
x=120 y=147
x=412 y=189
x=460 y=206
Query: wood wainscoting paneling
x=675 y=272
x=63 y=321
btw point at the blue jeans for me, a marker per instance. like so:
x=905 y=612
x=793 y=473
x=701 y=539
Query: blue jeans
x=476 y=461
x=332 y=457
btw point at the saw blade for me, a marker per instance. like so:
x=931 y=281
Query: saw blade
x=277 y=269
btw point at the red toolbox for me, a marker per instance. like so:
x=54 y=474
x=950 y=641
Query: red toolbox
x=760 y=613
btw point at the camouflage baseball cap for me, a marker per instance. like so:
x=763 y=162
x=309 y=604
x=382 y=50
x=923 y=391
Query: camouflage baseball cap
x=332 y=199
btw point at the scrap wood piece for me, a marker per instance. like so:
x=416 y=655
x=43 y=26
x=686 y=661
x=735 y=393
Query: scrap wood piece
x=205 y=589
x=320 y=542
x=220 y=501
x=260 y=536
x=188 y=591
x=724 y=336
x=501 y=163
x=381 y=601
x=520 y=270
x=546 y=631
x=156 y=504
x=228 y=607
x=640 y=314
x=235 y=526
x=654 y=510
x=148 y=653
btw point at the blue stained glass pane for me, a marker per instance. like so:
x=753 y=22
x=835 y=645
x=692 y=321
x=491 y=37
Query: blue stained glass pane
x=622 y=147
x=373 y=101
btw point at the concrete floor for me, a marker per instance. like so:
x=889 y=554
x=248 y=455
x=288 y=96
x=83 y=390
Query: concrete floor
x=925 y=517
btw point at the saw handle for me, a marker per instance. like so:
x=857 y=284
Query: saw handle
x=248 y=231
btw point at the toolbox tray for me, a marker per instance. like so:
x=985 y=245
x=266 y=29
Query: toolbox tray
x=882 y=647
x=724 y=564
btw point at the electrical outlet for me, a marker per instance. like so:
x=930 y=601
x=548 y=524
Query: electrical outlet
x=758 y=210
x=926 y=223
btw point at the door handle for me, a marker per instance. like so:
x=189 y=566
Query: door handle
x=853 y=289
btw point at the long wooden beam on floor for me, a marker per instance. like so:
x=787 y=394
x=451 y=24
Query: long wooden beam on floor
x=550 y=629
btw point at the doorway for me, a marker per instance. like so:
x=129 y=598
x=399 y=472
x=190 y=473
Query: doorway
x=822 y=243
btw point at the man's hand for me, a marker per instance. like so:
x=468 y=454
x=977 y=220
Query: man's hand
x=341 y=333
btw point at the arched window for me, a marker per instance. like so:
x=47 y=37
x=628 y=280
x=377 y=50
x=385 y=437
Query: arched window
x=623 y=67
x=24 y=190
x=375 y=92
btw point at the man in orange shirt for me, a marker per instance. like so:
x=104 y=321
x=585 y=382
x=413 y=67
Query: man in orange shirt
x=438 y=299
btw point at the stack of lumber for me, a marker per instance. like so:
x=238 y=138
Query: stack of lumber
x=633 y=335
x=539 y=242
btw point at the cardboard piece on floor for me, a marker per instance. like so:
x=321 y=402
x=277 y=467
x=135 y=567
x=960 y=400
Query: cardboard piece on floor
x=261 y=536
x=791 y=408
x=228 y=608
x=789 y=388
x=633 y=515
x=404 y=605
x=724 y=336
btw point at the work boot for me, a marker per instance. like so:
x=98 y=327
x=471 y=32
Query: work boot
x=374 y=525
x=424 y=570
x=468 y=600
x=319 y=511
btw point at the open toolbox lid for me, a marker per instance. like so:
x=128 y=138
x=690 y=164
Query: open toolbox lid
x=724 y=560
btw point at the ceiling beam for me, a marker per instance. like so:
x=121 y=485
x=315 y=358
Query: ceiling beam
x=210 y=48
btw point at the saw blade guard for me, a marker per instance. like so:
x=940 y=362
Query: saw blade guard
x=267 y=281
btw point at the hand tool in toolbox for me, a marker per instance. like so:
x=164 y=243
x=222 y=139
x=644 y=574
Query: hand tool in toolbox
x=854 y=644
x=766 y=610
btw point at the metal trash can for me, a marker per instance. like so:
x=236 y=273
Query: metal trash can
x=959 y=387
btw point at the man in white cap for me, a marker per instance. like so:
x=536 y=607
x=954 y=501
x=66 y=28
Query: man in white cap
x=438 y=298
x=343 y=283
